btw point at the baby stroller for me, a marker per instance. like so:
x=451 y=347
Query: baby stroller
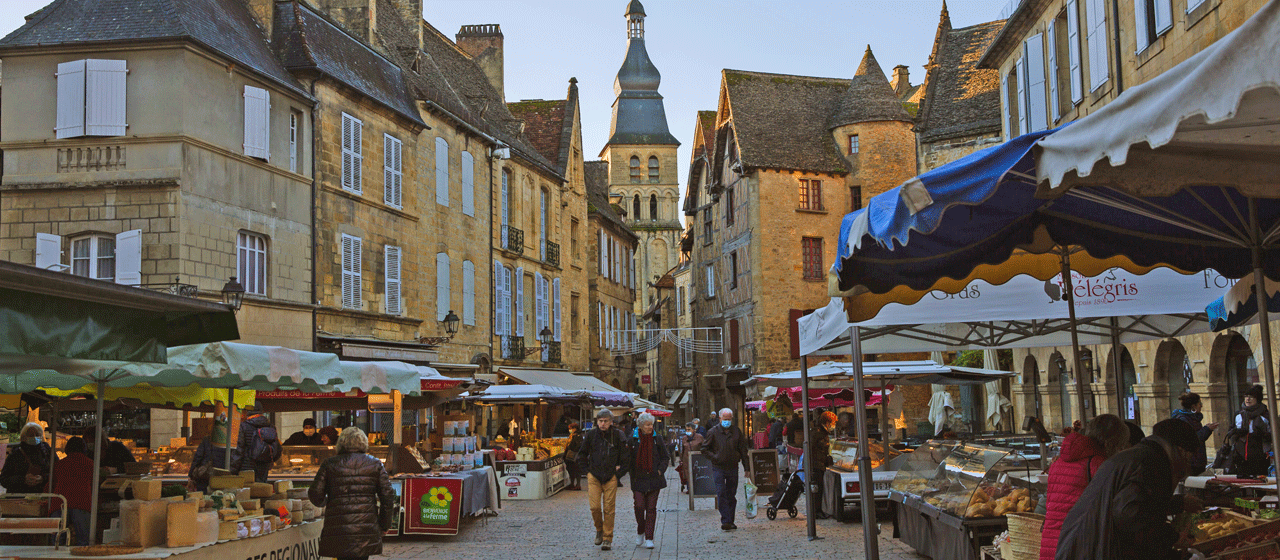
x=786 y=496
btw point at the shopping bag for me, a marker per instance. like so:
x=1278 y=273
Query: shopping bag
x=749 y=493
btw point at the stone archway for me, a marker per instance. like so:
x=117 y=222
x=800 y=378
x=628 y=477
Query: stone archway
x=1173 y=369
x=1060 y=389
x=1031 y=378
x=1232 y=363
x=1129 y=409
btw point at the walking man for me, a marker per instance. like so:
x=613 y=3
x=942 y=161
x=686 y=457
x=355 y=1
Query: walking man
x=604 y=456
x=726 y=447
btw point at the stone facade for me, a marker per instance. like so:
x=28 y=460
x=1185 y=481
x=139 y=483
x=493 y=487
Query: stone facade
x=612 y=294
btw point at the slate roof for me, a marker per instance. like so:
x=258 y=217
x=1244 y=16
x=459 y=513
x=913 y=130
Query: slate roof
x=961 y=99
x=223 y=26
x=869 y=97
x=596 y=176
x=708 y=121
x=548 y=125
x=781 y=120
x=307 y=40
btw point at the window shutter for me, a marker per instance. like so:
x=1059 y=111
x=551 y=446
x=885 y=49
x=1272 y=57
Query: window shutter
x=506 y=301
x=1073 y=51
x=257 y=122
x=499 y=308
x=519 y=291
x=539 y=305
x=1051 y=51
x=1097 y=38
x=468 y=293
x=600 y=249
x=104 y=112
x=351 y=289
x=392 y=173
x=442 y=286
x=352 y=154
x=600 y=323
x=442 y=171
x=71 y=77
x=1164 y=15
x=392 y=280
x=555 y=306
x=1140 y=31
x=347 y=300
x=1006 y=127
x=129 y=257
x=1022 y=94
x=48 y=251
x=1036 y=119
x=468 y=184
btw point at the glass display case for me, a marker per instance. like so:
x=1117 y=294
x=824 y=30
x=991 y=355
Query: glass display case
x=844 y=455
x=967 y=480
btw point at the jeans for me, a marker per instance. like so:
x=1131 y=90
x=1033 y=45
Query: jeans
x=602 y=497
x=646 y=512
x=726 y=492
x=79 y=521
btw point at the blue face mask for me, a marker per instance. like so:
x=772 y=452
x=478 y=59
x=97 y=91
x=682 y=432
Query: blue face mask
x=34 y=441
x=726 y=423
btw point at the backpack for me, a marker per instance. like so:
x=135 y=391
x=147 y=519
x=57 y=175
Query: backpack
x=266 y=448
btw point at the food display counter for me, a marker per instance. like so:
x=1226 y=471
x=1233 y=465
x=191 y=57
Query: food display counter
x=842 y=485
x=532 y=480
x=951 y=497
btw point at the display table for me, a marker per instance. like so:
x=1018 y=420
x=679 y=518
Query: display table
x=435 y=505
x=938 y=534
x=297 y=541
x=532 y=480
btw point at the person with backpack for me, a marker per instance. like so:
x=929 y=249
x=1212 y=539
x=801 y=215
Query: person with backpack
x=259 y=446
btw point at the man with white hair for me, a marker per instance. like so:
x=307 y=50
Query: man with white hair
x=726 y=447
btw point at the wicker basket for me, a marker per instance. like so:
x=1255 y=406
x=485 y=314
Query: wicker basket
x=1024 y=535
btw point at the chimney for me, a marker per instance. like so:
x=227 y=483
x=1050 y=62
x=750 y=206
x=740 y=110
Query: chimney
x=901 y=81
x=411 y=12
x=483 y=43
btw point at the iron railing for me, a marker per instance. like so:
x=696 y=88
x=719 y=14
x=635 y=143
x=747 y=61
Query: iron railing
x=513 y=347
x=553 y=254
x=552 y=353
x=176 y=288
x=512 y=239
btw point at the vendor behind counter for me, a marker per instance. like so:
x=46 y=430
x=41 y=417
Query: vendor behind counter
x=114 y=456
x=308 y=436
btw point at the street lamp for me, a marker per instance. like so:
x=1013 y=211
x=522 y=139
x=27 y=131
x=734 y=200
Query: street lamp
x=450 y=328
x=233 y=294
x=544 y=336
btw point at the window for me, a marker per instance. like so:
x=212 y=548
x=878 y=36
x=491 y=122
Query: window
x=1009 y=92
x=812 y=249
x=468 y=293
x=853 y=144
x=468 y=184
x=1033 y=84
x=391 y=171
x=1096 y=30
x=653 y=169
x=542 y=223
x=1152 y=18
x=810 y=194
x=680 y=304
x=94 y=256
x=352 y=153
x=518 y=303
x=442 y=171
x=351 y=289
x=257 y=123
x=555 y=308
x=91 y=95
x=505 y=201
x=573 y=238
x=443 y=297
x=635 y=169
x=600 y=324
x=1020 y=67
x=1073 y=52
x=706 y=226
x=711 y=280
x=600 y=250
x=855 y=198
x=391 y=301
x=728 y=206
x=575 y=332
x=295 y=120
x=635 y=206
x=540 y=307
x=733 y=270
x=653 y=207
x=1051 y=68
x=502 y=301
x=251 y=262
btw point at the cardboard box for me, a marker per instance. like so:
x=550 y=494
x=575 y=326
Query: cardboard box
x=181 y=524
x=147 y=489
x=261 y=490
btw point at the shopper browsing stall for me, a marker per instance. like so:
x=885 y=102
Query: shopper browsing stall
x=114 y=454
x=1250 y=436
x=1081 y=457
x=211 y=454
x=73 y=479
x=26 y=468
x=259 y=446
x=360 y=503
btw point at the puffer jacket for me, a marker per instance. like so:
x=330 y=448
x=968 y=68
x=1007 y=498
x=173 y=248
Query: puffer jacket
x=360 y=504
x=655 y=477
x=248 y=437
x=1068 y=476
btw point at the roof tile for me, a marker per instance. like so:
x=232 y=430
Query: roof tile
x=960 y=99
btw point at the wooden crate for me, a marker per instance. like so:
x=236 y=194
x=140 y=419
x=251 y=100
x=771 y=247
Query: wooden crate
x=1264 y=550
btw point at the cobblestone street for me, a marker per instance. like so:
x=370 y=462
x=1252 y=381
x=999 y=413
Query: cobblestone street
x=560 y=527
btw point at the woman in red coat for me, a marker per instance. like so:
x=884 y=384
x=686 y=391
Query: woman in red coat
x=1082 y=454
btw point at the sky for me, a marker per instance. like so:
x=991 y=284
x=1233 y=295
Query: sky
x=690 y=41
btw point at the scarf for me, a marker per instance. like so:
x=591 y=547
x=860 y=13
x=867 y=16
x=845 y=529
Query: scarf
x=646 y=453
x=1251 y=413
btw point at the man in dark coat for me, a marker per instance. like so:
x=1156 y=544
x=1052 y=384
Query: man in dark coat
x=775 y=431
x=359 y=501
x=1123 y=513
x=604 y=456
x=114 y=456
x=308 y=435
x=726 y=447
x=253 y=428
x=820 y=448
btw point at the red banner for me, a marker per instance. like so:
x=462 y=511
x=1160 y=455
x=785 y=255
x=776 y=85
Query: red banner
x=429 y=384
x=432 y=506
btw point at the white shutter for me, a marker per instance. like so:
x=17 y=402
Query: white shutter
x=129 y=257
x=506 y=301
x=539 y=305
x=392 y=172
x=1096 y=16
x=600 y=249
x=608 y=333
x=1051 y=66
x=1034 y=47
x=442 y=171
x=499 y=308
x=600 y=323
x=1006 y=127
x=1073 y=51
x=352 y=153
x=1022 y=94
x=442 y=286
x=48 y=251
x=71 y=77
x=257 y=122
x=519 y=282
x=393 y=280
x=1164 y=15
x=555 y=306
x=352 y=247
x=104 y=112
x=468 y=293
x=1140 y=31
x=468 y=184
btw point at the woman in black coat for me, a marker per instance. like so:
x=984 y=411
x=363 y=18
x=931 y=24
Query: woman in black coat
x=571 y=456
x=26 y=469
x=649 y=459
x=359 y=501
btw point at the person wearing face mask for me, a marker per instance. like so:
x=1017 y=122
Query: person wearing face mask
x=1192 y=415
x=1250 y=436
x=648 y=467
x=308 y=436
x=726 y=447
x=26 y=468
x=690 y=440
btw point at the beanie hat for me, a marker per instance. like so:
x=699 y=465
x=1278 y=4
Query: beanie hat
x=309 y=422
x=1178 y=434
x=1255 y=392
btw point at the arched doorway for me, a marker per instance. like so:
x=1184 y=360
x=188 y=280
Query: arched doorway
x=1128 y=378
x=1173 y=365
x=1031 y=376
x=1241 y=369
x=1058 y=376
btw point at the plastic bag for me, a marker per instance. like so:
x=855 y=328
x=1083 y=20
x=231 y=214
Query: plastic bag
x=749 y=494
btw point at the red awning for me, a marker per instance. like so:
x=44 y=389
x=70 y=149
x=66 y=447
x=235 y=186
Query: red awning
x=427 y=384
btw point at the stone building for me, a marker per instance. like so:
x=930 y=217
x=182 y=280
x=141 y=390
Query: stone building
x=1059 y=60
x=642 y=161
x=788 y=158
x=660 y=373
x=678 y=395
x=611 y=286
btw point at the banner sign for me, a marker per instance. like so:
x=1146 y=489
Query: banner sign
x=432 y=506
x=426 y=384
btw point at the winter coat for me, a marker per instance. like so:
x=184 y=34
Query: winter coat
x=23 y=459
x=73 y=478
x=775 y=432
x=821 y=449
x=214 y=454
x=300 y=438
x=1068 y=476
x=248 y=437
x=359 y=504
x=1196 y=421
x=726 y=448
x=1123 y=513
x=1250 y=435
x=795 y=432
x=655 y=478
x=604 y=455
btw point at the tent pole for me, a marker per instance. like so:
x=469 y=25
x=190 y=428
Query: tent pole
x=53 y=441
x=1264 y=323
x=1069 y=295
x=870 y=528
x=231 y=412
x=98 y=437
x=810 y=521
x=1116 y=351
x=884 y=423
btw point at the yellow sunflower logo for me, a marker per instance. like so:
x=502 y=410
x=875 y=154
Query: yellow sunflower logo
x=440 y=496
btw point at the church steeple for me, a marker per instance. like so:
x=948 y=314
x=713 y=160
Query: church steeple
x=638 y=114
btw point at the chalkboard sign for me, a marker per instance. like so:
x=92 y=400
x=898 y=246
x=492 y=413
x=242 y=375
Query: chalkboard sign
x=702 y=482
x=764 y=470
